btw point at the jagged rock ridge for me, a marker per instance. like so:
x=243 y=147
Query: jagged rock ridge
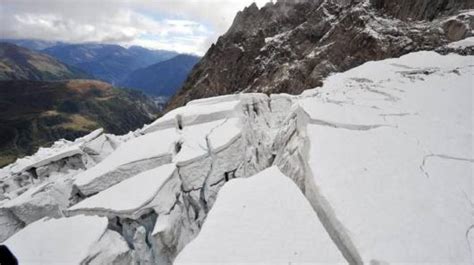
x=291 y=46
x=384 y=167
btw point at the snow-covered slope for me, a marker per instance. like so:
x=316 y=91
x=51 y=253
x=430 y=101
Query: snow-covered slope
x=49 y=241
x=249 y=214
x=143 y=186
x=41 y=185
x=403 y=133
x=382 y=156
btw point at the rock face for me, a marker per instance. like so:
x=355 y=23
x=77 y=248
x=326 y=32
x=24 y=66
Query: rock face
x=376 y=164
x=291 y=46
x=421 y=10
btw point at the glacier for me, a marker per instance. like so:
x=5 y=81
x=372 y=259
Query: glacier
x=264 y=208
x=373 y=167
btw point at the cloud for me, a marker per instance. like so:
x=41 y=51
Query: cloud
x=183 y=25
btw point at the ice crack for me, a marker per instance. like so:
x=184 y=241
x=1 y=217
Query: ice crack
x=347 y=126
x=443 y=156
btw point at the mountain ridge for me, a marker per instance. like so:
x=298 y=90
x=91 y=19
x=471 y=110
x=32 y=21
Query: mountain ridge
x=33 y=44
x=19 y=63
x=163 y=78
x=288 y=47
x=107 y=62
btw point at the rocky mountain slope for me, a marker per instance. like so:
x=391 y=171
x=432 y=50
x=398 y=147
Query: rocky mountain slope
x=421 y=9
x=290 y=46
x=37 y=113
x=111 y=63
x=373 y=167
x=18 y=63
x=163 y=78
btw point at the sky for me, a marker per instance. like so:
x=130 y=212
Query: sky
x=187 y=26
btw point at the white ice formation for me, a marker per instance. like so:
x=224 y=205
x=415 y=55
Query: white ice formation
x=374 y=167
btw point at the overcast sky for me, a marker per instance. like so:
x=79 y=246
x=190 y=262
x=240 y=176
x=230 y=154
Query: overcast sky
x=188 y=26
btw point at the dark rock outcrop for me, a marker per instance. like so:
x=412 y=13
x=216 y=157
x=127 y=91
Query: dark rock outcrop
x=290 y=46
x=421 y=9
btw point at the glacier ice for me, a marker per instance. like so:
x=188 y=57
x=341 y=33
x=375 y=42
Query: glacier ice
x=264 y=218
x=48 y=241
x=40 y=185
x=381 y=154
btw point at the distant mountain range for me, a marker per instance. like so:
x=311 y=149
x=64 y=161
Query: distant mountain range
x=36 y=113
x=36 y=45
x=44 y=94
x=18 y=63
x=156 y=72
x=163 y=78
x=111 y=63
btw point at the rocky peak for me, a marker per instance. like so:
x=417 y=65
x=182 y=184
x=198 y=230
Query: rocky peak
x=291 y=46
x=284 y=12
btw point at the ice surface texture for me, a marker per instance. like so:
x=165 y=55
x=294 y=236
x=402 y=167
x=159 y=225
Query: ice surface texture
x=374 y=167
